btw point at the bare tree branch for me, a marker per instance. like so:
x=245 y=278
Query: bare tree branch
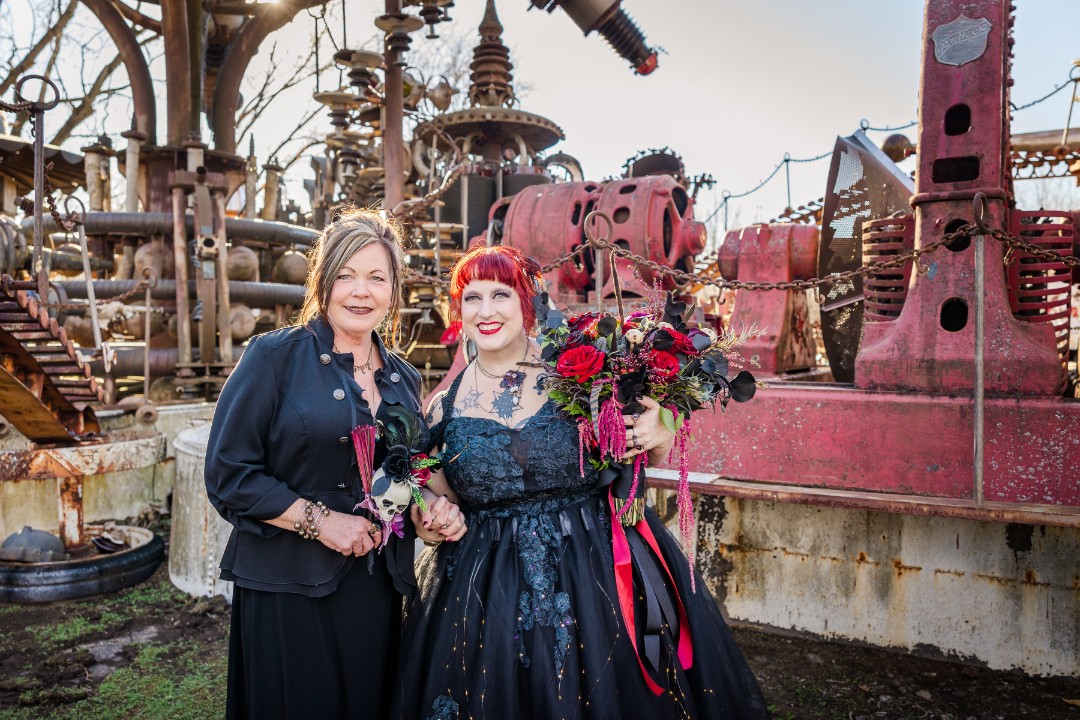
x=92 y=95
x=137 y=18
x=86 y=108
x=256 y=98
x=300 y=153
x=254 y=108
x=52 y=33
x=304 y=122
x=21 y=120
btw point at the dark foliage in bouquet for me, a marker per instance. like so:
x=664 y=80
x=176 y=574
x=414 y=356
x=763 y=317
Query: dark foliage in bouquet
x=394 y=485
x=601 y=365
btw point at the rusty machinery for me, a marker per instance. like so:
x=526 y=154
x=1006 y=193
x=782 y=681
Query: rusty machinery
x=651 y=216
x=497 y=141
x=175 y=222
x=207 y=263
x=607 y=18
x=935 y=418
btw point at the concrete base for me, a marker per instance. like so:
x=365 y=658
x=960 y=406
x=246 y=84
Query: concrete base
x=1004 y=595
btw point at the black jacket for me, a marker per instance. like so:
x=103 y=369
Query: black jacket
x=281 y=431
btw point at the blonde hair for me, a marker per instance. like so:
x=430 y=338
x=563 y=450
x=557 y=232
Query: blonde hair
x=352 y=230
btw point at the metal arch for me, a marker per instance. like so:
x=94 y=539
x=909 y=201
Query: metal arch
x=142 y=86
x=242 y=50
x=568 y=162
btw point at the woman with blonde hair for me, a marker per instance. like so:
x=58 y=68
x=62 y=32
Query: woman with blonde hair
x=316 y=614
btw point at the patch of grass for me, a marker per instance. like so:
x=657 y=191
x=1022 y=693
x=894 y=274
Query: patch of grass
x=166 y=680
x=151 y=595
x=72 y=631
x=20 y=682
x=778 y=715
x=53 y=695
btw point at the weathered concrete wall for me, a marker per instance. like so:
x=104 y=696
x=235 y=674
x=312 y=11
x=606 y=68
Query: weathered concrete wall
x=112 y=495
x=1004 y=595
x=31 y=503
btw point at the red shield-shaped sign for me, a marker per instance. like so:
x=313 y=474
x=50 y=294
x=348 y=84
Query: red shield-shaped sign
x=960 y=41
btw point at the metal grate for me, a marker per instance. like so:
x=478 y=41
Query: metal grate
x=1039 y=291
x=884 y=293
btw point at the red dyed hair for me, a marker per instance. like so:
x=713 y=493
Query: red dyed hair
x=499 y=263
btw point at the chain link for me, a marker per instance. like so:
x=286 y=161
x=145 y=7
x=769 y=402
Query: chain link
x=683 y=278
x=1046 y=254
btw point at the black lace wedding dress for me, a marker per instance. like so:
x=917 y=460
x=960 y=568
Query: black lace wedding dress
x=521 y=618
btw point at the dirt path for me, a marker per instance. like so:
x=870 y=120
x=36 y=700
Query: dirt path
x=151 y=652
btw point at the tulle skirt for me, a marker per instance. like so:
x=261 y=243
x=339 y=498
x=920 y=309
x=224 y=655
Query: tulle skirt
x=522 y=619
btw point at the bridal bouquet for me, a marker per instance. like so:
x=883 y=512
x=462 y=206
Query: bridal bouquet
x=600 y=365
x=394 y=485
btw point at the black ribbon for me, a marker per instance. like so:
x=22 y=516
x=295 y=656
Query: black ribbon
x=620 y=476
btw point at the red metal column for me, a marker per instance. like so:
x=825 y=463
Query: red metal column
x=963 y=150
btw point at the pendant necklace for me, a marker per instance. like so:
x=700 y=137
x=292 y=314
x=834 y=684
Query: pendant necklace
x=512 y=381
x=366 y=367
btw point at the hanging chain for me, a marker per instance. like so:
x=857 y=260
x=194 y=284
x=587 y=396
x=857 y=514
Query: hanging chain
x=683 y=278
x=412 y=208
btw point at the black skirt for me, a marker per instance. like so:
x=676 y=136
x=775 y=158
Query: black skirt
x=293 y=656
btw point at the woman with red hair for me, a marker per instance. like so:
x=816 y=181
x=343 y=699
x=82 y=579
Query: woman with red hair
x=521 y=618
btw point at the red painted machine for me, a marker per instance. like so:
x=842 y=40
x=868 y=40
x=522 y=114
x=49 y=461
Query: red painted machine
x=904 y=435
x=903 y=429
x=651 y=216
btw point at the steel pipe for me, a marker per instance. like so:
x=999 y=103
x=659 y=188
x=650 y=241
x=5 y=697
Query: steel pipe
x=116 y=223
x=252 y=294
x=271 y=17
x=132 y=361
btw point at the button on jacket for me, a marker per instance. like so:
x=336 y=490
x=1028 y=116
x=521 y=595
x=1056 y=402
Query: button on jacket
x=282 y=431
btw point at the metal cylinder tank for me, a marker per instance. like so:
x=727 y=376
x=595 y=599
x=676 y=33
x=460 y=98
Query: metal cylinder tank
x=547 y=223
x=469 y=200
x=198 y=534
x=518 y=177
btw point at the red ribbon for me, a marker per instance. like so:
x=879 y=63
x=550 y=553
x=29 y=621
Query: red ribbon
x=624 y=584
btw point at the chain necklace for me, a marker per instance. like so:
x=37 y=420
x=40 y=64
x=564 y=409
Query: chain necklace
x=366 y=367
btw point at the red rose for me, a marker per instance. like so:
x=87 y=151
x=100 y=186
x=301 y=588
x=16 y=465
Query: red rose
x=583 y=322
x=580 y=363
x=420 y=473
x=682 y=343
x=663 y=364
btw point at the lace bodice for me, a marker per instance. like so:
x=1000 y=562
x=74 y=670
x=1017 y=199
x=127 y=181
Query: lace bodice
x=492 y=467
